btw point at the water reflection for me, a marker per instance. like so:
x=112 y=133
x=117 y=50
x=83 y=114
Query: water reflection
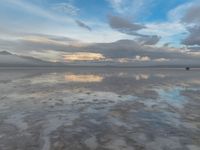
x=121 y=81
x=160 y=75
x=142 y=77
x=83 y=78
x=172 y=96
x=80 y=108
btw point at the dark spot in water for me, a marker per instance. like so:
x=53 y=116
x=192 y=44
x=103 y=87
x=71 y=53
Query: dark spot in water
x=110 y=101
x=80 y=99
x=58 y=104
x=51 y=106
x=99 y=108
x=4 y=97
x=61 y=100
x=95 y=100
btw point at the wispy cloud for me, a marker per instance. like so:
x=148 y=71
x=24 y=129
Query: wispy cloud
x=116 y=4
x=67 y=8
x=134 y=8
x=37 y=10
x=177 y=13
x=124 y=25
x=83 y=25
x=149 y=40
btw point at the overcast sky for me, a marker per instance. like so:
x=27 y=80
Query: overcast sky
x=119 y=31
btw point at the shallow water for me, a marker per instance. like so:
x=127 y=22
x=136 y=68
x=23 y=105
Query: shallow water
x=99 y=108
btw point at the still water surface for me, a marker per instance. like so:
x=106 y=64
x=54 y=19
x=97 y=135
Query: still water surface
x=99 y=109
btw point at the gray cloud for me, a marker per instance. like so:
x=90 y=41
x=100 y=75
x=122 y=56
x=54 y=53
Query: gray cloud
x=83 y=25
x=124 y=25
x=149 y=40
x=192 y=14
x=194 y=36
x=166 y=44
x=192 y=17
x=194 y=48
x=130 y=49
x=122 y=49
x=50 y=37
x=36 y=42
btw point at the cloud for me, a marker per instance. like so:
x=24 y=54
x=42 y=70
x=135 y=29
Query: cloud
x=192 y=14
x=45 y=39
x=122 y=51
x=142 y=58
x=132 y=8
x=149 y=40
x=83 y=25
x=83 y=56
x=36 y=10
x=131 y=48
x=192 y=19
x=186 y=13
x=177 y=13
x=123 y=25
x=118 y=49
x=48 y=55
x=116 y=4
x=25 y=43
x=166 y=44
x=194 y=36
x=67 y=8
x=194 y=48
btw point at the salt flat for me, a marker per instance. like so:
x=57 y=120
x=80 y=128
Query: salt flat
x=99 y=108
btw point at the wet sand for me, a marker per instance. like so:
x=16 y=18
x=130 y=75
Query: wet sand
x=99 y=109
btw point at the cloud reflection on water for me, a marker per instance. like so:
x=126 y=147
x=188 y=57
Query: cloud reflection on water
x=83 y=78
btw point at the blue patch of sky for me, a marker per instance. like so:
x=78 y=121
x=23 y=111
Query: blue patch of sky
x=159 y=11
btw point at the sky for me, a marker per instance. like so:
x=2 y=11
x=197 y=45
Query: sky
x=136 y=32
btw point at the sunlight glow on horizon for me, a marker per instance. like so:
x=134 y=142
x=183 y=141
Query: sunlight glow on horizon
x=83 y=56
